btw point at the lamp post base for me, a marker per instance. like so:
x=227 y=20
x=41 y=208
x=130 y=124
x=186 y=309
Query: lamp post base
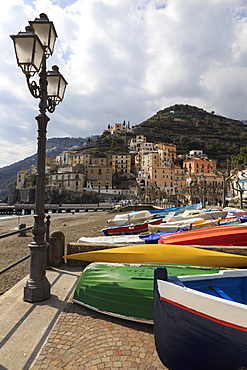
x=37 y=293
x=37 y=287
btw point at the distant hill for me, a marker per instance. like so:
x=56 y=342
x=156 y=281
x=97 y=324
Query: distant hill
x=194 y=128
x=54 y=147
x=186 y=126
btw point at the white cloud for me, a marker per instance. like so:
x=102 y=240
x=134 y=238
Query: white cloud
x=124 y=60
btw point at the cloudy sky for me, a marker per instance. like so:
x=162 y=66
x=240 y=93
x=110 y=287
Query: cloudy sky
x=124 y=60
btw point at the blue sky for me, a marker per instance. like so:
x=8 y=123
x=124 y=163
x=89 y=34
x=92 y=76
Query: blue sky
x=124 y=60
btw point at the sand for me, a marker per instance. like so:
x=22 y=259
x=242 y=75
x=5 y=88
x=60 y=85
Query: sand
x=13 y=248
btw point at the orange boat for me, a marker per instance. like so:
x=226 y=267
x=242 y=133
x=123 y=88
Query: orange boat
x=235 y=235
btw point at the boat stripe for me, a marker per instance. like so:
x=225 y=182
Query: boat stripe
x=225 y=323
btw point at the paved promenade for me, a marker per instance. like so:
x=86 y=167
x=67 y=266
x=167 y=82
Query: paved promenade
x=58 y=334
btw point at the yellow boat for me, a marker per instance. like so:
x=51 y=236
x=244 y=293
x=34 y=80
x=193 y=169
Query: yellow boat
x=163 y=253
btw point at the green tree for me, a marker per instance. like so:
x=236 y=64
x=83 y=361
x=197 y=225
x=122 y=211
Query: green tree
x=240 y=161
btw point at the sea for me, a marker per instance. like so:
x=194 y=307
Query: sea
x=5 y=217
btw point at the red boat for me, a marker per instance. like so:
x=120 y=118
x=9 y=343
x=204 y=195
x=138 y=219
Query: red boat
x=131 y=228
x=217 y=235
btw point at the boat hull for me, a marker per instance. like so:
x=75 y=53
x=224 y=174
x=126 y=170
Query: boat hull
x=124 y=290
x=130 y=229
x=196 y=332
x=218 y=235
x=159 y=253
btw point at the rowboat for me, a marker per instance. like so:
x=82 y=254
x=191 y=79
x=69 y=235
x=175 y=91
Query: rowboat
x=193 y=223
x=218 y=235
x=125 y=290
x=132 y=217
x=200 y=321
x=159 y=253
x=202 y=213
x=128 y=239
x=165 y=211
x=135 y=228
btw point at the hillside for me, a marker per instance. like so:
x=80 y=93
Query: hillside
x=186 y=126
x=54 y=147
x=193 y=128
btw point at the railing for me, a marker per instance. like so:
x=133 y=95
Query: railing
x=22 y=232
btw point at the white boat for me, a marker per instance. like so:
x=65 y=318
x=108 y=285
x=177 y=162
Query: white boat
x=188 y=214
x=193 y=223
x=112 y=239
x=129 y=218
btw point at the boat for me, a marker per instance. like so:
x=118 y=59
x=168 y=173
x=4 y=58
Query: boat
x=112 y=239
x=135 y=228
x=125 y=290
x=130 y=218
x=193 y=223
x=128 y=239
x=200 y=321
x=162 y=212
x=235 y=235
x=159 y=253
x=234 y=212
x=192 y=213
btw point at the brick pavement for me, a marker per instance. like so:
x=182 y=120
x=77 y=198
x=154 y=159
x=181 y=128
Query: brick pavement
x=84 y=339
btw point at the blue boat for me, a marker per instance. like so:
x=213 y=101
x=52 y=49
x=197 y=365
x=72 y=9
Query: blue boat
x=200 y=322
x=162 y=212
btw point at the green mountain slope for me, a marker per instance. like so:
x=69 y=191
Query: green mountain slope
x=194 y=128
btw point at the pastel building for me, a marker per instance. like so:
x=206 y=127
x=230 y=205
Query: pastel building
x=21 y=178
x=198 y=165
x=121 y=163
x=99 y=177
x=67 y=179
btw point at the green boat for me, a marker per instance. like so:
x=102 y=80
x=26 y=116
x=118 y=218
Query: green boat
x=125 y=290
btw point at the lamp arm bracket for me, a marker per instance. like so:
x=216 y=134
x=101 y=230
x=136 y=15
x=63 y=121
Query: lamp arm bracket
x=51 y=106
x=33 y=88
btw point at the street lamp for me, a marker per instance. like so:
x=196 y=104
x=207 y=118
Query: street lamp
x=32 y=48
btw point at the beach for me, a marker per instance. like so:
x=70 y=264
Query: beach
x=77 y=338
x=13 y=248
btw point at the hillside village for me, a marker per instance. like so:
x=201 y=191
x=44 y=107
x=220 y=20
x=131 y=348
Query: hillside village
x=147 y=171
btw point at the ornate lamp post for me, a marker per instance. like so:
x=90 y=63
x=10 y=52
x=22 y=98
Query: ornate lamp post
x=32 y=48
